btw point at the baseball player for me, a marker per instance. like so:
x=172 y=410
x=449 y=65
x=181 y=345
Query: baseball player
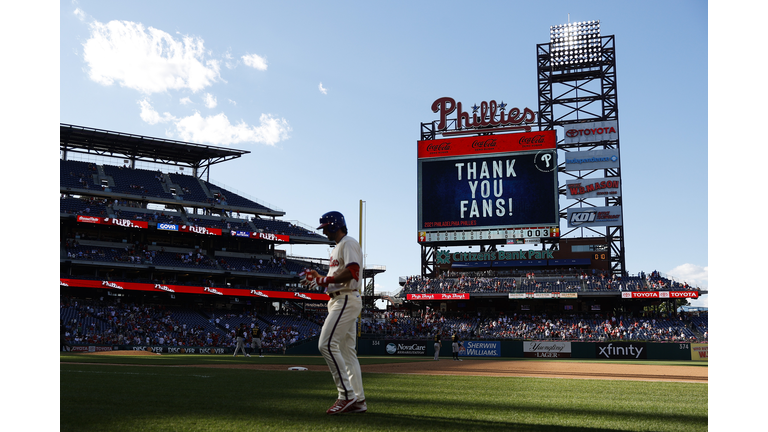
x=438 y=345
x=455 y=346
x=256 y=340
x=337 y=338
x=240 y=333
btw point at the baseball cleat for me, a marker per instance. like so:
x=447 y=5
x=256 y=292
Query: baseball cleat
x=359 y=407
x=341 y=406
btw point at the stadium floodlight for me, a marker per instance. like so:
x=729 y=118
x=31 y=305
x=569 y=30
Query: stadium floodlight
x=575 y=44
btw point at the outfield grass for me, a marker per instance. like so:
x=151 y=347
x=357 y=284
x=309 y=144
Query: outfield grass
x=103 y=397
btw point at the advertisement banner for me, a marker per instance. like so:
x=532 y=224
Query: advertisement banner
x=453 y=296
x=187 y=289
x=200 y=230
x=621 y=350
x=700 y=352
x=501 y=143
x=270 y=237
x=127 y=223
x=547 y=349
x=406 y=347
x=167 y=227
x=591 y=160
x=582 y=133
x=593 y=188
x=481 y=349
x=594 y=216
x=659 y=294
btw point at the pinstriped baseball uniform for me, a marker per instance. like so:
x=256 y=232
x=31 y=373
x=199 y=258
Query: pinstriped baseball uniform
x=338 y=336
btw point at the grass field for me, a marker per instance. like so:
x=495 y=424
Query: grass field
x=102 y=396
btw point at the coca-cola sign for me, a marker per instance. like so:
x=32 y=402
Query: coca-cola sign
x=483 y=115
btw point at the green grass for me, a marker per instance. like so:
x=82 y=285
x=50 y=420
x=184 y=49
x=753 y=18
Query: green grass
x=103 y=397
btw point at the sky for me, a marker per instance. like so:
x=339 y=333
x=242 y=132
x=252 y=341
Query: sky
x=328 y=98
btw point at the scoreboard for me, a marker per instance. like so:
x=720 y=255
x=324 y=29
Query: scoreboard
x=490 y=187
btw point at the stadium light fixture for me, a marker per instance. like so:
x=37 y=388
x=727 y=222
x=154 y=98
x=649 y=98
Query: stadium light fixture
x=575 y=44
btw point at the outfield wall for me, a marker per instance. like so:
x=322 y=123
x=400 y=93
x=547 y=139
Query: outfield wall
x=634 y=350
x=613 y=350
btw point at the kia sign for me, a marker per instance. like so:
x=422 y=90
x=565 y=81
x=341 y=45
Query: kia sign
x=593 y=188
x=583 y=133
x=592 y=160
x=594 y=216
x=483 y=184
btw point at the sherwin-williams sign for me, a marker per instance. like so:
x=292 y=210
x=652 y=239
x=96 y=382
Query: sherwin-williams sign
x=481 y=349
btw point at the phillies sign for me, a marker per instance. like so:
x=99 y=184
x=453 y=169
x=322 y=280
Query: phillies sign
x=490 y=114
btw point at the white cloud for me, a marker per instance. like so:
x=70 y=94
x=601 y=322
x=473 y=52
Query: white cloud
x=217 y=129
x=255 y=61
x=146 y=59
x=79 y=14
x=210 y=100
x=322 y=89
x=232 y=102
x=185 y=101
x=693 y=274
x=149 y=115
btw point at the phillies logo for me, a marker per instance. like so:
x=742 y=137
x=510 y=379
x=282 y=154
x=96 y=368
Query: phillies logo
x=491 y=114
x=259 y=293
x=111 y=285
x=163 y=288
x=300 y=295
x=212 y=291
x=573 y=133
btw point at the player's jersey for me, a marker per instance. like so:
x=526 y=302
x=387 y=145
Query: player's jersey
x=256 y=333
x=345 y=253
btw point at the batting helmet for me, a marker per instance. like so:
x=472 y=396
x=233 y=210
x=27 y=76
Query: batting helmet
x=332 y=220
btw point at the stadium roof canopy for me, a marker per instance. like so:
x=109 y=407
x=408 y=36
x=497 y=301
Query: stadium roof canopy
x=99 y=142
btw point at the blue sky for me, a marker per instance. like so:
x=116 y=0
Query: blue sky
x=328 y=98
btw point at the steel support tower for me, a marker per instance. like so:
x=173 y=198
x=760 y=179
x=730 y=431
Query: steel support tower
x=576 y=74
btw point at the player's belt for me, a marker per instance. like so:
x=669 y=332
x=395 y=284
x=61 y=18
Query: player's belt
x=340 y=292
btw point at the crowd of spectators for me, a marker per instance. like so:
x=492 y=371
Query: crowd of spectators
x=90 y=321
x=497 y=282
x=572 y=327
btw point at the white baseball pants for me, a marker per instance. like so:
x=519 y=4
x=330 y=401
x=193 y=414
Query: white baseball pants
x=337 y=344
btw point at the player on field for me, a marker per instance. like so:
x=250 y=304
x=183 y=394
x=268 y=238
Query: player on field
x=337 y=338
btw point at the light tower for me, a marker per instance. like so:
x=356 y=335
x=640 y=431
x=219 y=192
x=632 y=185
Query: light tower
x=577 y=93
